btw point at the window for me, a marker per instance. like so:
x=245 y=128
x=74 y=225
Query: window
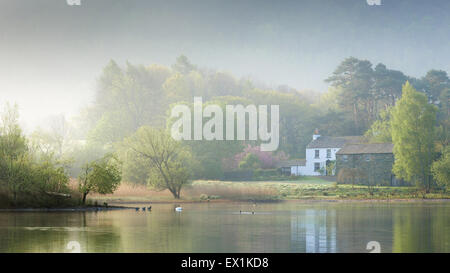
x=316 y=166
x=316 y=155
x=345 y=157
x=328 y=153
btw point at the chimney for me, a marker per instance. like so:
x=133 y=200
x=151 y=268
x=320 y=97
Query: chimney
x=316 y=134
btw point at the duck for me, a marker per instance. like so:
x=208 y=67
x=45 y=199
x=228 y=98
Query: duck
x=137 y=209
x=143 y=209
x=149 y=208
x=178 y=209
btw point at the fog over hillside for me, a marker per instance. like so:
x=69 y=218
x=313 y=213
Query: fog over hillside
x=51 y=53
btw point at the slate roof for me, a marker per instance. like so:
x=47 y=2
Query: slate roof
x=292 y=162
x=372 y=148
x=334 y=142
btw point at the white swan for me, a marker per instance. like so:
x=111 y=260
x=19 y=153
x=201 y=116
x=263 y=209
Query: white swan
x=178 y=209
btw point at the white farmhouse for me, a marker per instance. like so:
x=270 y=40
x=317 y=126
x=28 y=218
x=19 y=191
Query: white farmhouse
x=320 y=152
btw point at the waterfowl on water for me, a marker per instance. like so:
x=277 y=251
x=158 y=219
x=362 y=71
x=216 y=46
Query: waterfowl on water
x=137 y=209
x=246 y=212
x=143 y=209
x=149 y=208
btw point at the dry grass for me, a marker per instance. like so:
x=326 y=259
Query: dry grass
x=255 y=191
x=202 y=189
x=192 y=192
x=129 y=191
x=232 y=190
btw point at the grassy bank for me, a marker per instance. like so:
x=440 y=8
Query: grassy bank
x=307 y=188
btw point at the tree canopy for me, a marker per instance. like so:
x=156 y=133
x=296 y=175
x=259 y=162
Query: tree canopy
x=413 y=121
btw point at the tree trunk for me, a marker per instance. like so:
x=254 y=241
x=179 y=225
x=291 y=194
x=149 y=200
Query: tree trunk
x=355 y=118
x=84 y=198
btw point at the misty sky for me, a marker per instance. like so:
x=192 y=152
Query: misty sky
x=51 y=53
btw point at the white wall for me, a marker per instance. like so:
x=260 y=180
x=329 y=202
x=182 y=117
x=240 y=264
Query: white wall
x=311 y=159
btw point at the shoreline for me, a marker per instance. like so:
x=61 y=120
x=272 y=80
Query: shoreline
x=396 y=200
x=121 y=205
x=68 y=209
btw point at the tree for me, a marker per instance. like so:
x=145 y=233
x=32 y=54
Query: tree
x=126 y=99
x=435 y=82
x=441 y=169
x=250 y=161
x=101 y=176
x=413 y=121
x=168 y=160
x=55 y=138
x=355 y=80
x=14 y=159
x=51 y=175
x=380 y=130
x=388 y=84
x=183 y=65
x=22 y=170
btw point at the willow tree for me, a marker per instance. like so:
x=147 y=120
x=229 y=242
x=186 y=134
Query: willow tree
x=168 y=161
x=412 y=127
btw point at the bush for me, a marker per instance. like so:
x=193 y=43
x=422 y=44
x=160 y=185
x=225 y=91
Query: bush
x=441 y=169
x=239 y=175
x=262 y=173
x=27 y=177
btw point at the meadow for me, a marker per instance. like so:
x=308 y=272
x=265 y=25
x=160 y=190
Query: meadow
x=307 y=188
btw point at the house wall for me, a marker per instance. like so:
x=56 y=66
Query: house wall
x=377 y=171
x=308 y=169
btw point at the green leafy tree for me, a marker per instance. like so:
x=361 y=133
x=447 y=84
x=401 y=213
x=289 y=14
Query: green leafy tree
x=441 y=169
x=250 y=161
x=14 y=160
x=413 y=121
x=126 y=99
x=380 y=130
x=169 y=162
x=24 y=171
x=51 y=175
x=101 y=176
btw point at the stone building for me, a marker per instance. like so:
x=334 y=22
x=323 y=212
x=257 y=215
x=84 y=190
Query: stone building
x=320 y=153
x=368 y=163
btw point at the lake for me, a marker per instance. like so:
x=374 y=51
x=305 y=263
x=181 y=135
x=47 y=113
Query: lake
x=220 y=227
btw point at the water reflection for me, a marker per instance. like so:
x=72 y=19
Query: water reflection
x=282 y=227
x=313 y=231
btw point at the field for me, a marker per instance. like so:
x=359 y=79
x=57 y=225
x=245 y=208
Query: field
x=307 y=188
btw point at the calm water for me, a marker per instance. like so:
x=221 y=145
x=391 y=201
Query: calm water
x=283 y=227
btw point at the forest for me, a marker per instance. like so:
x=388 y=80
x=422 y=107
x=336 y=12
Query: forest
x=123 y=134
